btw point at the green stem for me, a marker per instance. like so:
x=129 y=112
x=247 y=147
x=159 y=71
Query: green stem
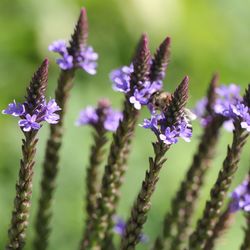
x=177 y=223
x=22 y=202
x=92 y=181
x=50 y=166
x=221 y=226
x=206 y=224
x=142 y=204
x=113 y=179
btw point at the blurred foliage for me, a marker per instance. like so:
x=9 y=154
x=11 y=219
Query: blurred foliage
x=207 y=36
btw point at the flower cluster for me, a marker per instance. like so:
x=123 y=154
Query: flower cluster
x=120 y=226
x=103 y=116
x=241 y=197
x=229 y=104
x=241 y=112
x=141 y=93
x=85 y=58
x=32 y=120
x=168 y=134
x=228 y=98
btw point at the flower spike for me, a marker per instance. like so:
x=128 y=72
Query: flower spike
x=32 y=113
x=207 y=222
x=141 y=62
x=80 y=35
x=102 y=119
x=116 y=166
x=177 y=224
x=167 y=126
x=211 y=94
x=160 y=61
x=35 y=110
x=77 y=55
x=175 y=110
x=38 y=85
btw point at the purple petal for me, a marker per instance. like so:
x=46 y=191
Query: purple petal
x=15 y=109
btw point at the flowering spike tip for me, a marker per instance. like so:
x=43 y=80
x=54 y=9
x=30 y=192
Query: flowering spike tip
x=141 y=62
x=38 y=85
x=160 y=61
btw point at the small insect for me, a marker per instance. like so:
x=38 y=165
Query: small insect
x=160 y=100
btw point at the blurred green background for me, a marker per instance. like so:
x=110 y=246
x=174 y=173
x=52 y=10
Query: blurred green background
x=207 y=36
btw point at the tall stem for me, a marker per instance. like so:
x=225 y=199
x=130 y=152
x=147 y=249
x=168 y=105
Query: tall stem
x=50 y=166
x=92 y=181
x=221 y=226
x=113 y=178
x=22 y=202
x=177 y=222
x=142 y=204
x=206 y=224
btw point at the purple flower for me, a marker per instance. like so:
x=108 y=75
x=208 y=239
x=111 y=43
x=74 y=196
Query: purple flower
x=50 y=115
x=87 y=116
x=85 y=58
x=142 y=96
x=168 y=134
x=154 y=87
x=33 y=118
x=15 y=109
x=227 y=97
x=120 y=226
x=66 y=62
x=239 y=112
x=228 y=91
x=185 y=131
x=103 y=115
x=141 y=92
x=29 y=123
x=58 y=46
x=241 y=197
x=121 y=78
x=151 y=123
x=139 y=98
x=169 y=137
x=112 y=119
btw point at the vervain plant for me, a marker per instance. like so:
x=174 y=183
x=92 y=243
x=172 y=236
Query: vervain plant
x=141 y=83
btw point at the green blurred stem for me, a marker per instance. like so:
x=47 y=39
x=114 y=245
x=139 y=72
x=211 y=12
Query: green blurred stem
x=112 y=180
x=220 y=228
x=50 y=166
x=142 y=204
x=92 y=181
x=22 y=202
x=211 y=213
